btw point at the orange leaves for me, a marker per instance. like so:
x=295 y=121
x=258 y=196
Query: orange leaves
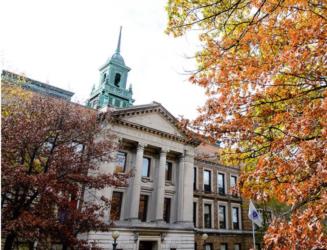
x=264 y=68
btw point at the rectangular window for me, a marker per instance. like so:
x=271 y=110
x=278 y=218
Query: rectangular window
x=208 y=246
x=166 y=215
x=194 y=178
x=233 y=183
x=143 y=207
x=222 y=217
x=207 y=215
x=237 y=246
x=194 y=214
x=169 y=171
x=121 y=161
x=146 y=167
x=207 y=180
x=235 y=218
x=116 y=201
x=221 y=183
x=223 y=246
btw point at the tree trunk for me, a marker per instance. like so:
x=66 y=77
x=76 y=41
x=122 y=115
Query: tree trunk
x=9 y=241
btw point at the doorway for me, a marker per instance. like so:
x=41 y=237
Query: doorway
x=148 y=245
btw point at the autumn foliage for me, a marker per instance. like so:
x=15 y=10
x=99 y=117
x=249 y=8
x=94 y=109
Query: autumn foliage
x=50 y=154
x=263 y=65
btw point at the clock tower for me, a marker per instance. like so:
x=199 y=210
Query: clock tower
x=111 y=89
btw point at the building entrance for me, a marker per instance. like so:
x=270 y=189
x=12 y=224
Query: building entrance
x=148 y=245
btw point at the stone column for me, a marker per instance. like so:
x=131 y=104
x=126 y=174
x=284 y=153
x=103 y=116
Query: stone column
x=136 y=183
x=180 y=190
x=188 y=188
x=160 y=187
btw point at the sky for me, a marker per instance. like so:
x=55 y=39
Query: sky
x=64 y=42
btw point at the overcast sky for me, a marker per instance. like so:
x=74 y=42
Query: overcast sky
x=64 y=42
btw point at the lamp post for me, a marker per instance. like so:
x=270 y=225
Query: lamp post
x=204 y=237
x=115 y=235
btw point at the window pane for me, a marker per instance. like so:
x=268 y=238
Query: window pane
x=207 y=216
x=194 y=213
x=208 y=246
x=121 y=161
x=233 y=181
x=235 y=218
x=194 y=178
x=223 y=246
x=237 y=246
x=146 y=167
x=222 y=217
x=207 y=180
x=143 y=207
x=166 y=215
x=221 y=183
x=116 y=202
x=169 y=170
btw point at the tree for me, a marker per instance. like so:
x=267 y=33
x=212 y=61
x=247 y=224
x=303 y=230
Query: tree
x=51 y=151
x=263 y=65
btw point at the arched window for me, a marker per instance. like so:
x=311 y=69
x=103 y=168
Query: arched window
x=104 y=77
x=117 y=79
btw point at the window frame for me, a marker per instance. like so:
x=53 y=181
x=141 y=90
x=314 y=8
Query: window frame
x=149 y=167
x=239 y=216
x=220 y=204
x=120 y=205
x=167 y=211
x=125 y=163
x=145 y=212
x=210 y=181
x=210 y=203
x=171 y=171
x=224 y=183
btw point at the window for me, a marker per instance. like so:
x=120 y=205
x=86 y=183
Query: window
x=194 y=214
x=207 y=180
x=143 y=207
x=194 y=178
x=221 y=183
x=116 y=201
x=237 y=246
x=235 y=218
x=233 y=183
x=121 y=161
x=208 y=246
x=207 y=215
x=222 y=216
x=166 y=215
x=169 y=171
x=117 y=79
x=223 y=246
x=146 y=167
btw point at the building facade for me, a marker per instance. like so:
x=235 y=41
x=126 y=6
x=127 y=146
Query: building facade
x=178 y=190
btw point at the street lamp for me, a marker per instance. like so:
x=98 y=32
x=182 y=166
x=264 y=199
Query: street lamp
x=204 y=237
x=115 y=235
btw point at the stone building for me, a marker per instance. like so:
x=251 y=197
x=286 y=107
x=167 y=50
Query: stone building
x=178 y=190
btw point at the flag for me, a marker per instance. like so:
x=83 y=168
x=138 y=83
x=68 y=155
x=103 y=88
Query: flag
x=254 y=215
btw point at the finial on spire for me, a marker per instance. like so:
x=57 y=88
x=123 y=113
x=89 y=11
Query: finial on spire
x=119 y=40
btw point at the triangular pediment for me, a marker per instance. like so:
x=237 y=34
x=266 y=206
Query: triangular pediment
x=153 y=116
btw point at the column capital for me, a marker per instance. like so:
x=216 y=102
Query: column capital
x=164 y=150
x=141 y=146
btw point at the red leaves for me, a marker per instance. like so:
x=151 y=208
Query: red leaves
x=49 y=147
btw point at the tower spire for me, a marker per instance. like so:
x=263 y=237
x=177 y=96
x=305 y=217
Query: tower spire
x=119 y=41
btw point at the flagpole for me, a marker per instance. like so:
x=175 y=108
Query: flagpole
x=253 y=236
